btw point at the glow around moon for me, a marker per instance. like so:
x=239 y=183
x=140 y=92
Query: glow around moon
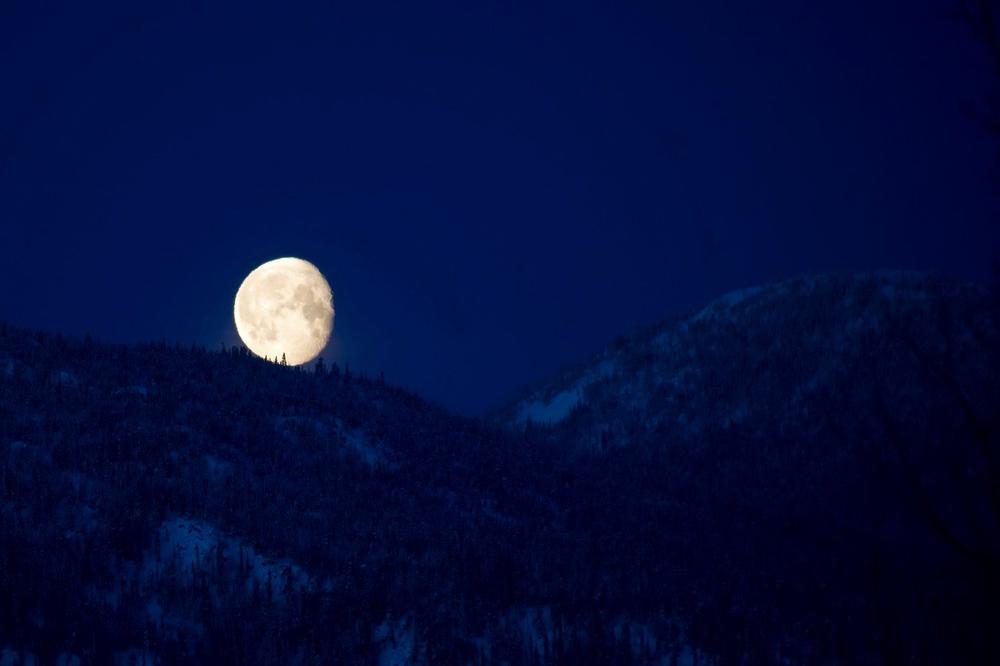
x=285 y=306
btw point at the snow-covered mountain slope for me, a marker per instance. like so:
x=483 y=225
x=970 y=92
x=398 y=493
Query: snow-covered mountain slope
x=188 y=506
x=768 y=358
x=800 y=473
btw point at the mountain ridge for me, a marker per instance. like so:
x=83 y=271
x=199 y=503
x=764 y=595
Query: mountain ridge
x=163 y=504
x=676 y=339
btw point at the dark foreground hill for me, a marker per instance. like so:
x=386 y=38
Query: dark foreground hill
x=178 y=504
x=804 y=473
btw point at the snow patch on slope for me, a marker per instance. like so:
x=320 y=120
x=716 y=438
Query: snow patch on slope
x=397 y=640
x=9 y=657
x=187 y=546
x=552 y=410
x=357 y=442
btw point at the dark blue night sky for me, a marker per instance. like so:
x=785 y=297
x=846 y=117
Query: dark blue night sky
x=492 y=190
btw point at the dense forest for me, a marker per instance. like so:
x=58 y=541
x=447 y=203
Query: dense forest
x=807 y=473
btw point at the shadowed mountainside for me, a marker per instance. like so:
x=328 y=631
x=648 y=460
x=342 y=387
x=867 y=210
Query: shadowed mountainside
x=804 y=472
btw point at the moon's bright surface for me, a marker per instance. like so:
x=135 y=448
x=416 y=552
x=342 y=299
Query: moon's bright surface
x=285 y=306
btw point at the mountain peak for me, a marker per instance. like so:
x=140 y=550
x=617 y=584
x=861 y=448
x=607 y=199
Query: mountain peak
x=706 y=369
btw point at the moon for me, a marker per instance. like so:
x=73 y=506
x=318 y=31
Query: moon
x=285 y=306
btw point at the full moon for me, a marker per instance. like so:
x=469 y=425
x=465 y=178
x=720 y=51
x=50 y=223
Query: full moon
x=285 y=306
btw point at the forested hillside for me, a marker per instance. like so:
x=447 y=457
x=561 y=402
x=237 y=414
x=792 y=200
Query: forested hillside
x=181 y=503
x=805 y=473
